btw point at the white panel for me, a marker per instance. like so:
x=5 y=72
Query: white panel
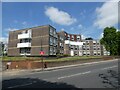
x=94 y=41
x=72 y=53
x=20 y=45
x=25 y=54
x=25 y=35
x=80 y=53
x=73 y=42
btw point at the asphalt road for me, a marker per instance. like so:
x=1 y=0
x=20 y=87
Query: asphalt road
x=89 y=76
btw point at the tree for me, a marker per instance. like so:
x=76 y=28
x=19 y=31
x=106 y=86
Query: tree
x=110 y=40
x=89 y=38
x=118 y=42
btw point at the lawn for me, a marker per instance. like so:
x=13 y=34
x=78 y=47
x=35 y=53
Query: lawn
x=72 y=58
x=5 y=58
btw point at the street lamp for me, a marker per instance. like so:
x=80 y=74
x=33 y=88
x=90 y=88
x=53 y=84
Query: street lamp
x=41 y=54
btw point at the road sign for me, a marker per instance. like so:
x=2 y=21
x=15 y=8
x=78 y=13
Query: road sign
x=42 y=52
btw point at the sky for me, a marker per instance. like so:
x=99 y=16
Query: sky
x=86 y=18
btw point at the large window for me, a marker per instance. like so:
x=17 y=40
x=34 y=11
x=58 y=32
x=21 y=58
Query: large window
x=25 y=50
x=51 y=41
x=51 y=51
x=51 y=31
x=72 y=37
x=78 y=37
x=25 y=40
x=68 y=37
x=61 y=38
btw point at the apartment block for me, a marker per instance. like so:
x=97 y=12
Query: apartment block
x=64 y=44
x=31 y=41
x=91 y=48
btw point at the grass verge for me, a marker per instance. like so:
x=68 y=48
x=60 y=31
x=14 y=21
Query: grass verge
x=49 y=60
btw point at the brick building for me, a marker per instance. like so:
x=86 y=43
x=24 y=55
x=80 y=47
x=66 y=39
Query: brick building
x=30 y=41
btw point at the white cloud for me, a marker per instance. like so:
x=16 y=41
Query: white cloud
x=83 y=36
x=24 y=23
x=11 y=29
x=72 y=28
x=4 y=39
x=80 y=26
x=59 y=17
x=6 y=31
x=101 y=36
x=107 y=15
x=62 y=29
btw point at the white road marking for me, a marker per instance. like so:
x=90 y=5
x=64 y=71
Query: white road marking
x=87 y=72
x=109 y=67
x=20 y=85
x=74 y=75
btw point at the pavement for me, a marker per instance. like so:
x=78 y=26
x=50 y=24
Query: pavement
x=85 y=75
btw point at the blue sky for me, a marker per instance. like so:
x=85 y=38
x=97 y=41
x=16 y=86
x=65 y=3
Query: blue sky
x=86 y=18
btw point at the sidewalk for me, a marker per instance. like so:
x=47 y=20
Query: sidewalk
x=17 y=72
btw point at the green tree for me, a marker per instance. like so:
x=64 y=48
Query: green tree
x=118 y=42
x=110 y=40
x=89 y=38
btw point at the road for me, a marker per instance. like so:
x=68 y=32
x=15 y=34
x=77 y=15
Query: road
x=87 y=76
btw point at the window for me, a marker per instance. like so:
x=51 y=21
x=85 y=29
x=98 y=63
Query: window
x=98 y=48
x=83 y=43
x=72 y=47
x=54 y=41
x=72 y=37
x=54 y=32
x=98 y=53
x=95 y=54
x=78 y=37
x=84 y=48
x=94 y=48
x=25 y=50
x=54 y=50
x=84 y=52
x=51 y=31
x=51 y=41
x=51 y=50
x=88 y=48
x=25 y=40
x=56 y=36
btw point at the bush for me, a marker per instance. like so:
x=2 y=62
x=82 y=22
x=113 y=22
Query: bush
x=66 y=55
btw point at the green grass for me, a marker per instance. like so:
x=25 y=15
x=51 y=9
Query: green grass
x=72 y=58
x=5 y=58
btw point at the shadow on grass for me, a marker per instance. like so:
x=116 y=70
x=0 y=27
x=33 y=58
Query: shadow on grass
x=33 y=83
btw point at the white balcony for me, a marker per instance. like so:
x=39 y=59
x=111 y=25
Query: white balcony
x=24 y=35
x=22 y=45
x=73 y=42
x=24 y=54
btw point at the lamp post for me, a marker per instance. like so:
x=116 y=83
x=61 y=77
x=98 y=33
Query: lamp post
x=41 y=54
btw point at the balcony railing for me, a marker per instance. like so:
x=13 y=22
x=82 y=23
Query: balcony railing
x=21 y=45
x=24 y=35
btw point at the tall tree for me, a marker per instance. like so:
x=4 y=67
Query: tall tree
x=109 y=40
x=89 y=38
x=118 y=42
